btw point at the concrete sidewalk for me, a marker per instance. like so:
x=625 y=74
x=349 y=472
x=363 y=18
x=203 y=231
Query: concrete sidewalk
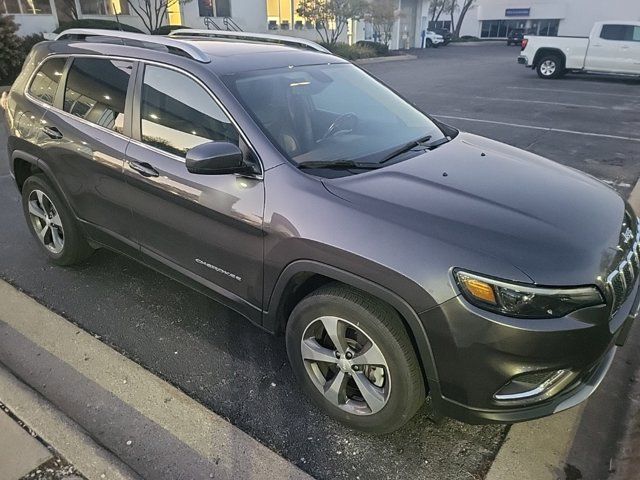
x=20 y=452
x=137 y=424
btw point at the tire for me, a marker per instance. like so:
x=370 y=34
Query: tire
x=395 y=391
x=549 y=67
x=45 y=210
x=428 y=43
x=436 y=45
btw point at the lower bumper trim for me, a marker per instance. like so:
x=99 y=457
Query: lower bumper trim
x=563 y=401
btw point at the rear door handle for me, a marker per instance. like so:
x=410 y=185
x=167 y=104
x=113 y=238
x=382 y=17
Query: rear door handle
x=52 y=132
x=143 y=168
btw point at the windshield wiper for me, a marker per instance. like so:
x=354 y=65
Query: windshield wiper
x=344 y=164
x=422 y=143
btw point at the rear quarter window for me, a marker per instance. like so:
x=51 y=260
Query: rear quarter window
x=617 y=32
x=46 y=80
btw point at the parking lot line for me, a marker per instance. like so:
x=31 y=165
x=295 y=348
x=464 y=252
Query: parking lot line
x=582 y=92
x=534 y=127
x=537 y=102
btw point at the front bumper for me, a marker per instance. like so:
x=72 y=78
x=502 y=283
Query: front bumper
x=477 y=353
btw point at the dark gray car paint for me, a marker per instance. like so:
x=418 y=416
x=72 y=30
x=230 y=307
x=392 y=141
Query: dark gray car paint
x=396 y=232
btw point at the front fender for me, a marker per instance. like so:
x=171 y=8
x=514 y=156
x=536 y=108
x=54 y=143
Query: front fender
x=412 y=321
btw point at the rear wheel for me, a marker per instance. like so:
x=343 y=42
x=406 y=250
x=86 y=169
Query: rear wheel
x=550 y=66
x=52 y=223
x=354 y=359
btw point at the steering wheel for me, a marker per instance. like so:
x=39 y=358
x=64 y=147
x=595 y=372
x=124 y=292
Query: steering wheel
x=344 y=123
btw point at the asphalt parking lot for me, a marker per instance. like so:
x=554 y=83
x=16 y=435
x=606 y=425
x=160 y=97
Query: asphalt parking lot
x=232 y=367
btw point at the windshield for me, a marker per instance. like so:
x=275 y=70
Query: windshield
x=330 y=113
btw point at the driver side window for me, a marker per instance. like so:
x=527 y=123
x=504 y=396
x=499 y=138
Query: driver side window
x=177 y=113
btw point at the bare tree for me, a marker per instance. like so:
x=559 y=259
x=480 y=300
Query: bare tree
x=453 y=6
x=436 y=7
x=464 y=8
x=330 y=17
x=382 y=14
x=153 y=13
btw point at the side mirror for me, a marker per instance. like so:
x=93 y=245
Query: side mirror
x=216 y=158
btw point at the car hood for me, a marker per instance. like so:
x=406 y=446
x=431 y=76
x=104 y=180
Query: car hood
x=557 y=225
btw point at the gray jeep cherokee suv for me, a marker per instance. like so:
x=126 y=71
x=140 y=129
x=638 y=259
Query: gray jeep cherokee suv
x=399 y=256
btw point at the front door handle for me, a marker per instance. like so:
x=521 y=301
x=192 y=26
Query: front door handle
x=52 y=132
x=143 y=168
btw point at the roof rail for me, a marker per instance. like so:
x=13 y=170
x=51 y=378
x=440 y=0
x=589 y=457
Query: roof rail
x=256 y=37
x=137 y=40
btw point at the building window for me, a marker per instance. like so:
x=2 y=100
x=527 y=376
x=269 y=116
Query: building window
x=548 y=28
x=440 y=24
x=104 y=7
x=501 y=28
x=214 y=8
x=33 y=7
x=283 y=15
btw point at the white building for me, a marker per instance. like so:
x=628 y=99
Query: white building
x=486 y=19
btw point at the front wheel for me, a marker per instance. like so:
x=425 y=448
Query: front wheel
x=549 y=67
x=354 y=359
x=428 y=43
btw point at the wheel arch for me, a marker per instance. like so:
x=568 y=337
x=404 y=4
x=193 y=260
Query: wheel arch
x=301 y=277
x=542 y=52
x=25 y=164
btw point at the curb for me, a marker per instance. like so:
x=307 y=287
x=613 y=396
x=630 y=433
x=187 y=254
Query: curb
x=392 y=58
x=57 y=430
x=477 y=44
x=152 y=427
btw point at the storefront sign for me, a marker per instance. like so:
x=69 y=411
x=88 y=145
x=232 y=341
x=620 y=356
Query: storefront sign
x=517 y=12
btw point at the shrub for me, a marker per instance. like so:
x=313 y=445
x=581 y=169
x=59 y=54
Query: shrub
x=467 y=38
x=27 y=42
x=10 y=52
x=351 y=52
x=96 y=23
x=380 y=48
x=166 y=29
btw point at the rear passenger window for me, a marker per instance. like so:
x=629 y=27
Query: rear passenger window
x=96 y=91
x=45 y=83
x=177 y=114
x=617 y=32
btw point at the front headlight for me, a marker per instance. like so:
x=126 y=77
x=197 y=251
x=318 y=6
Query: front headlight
x=524 y=301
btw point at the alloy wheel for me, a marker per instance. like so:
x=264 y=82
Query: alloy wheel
x=346 y=366
x=548 y=68
x=46 y=221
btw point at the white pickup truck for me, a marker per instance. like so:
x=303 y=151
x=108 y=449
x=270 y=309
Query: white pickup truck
x=612 y=47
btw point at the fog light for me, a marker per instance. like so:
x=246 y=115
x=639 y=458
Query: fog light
x=531 y=385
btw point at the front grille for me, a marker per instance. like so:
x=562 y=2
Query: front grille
x=622 y=279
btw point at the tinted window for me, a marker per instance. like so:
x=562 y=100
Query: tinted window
x=617 y=32
x=178 y=114
x=45 y=83
x=96 y=91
